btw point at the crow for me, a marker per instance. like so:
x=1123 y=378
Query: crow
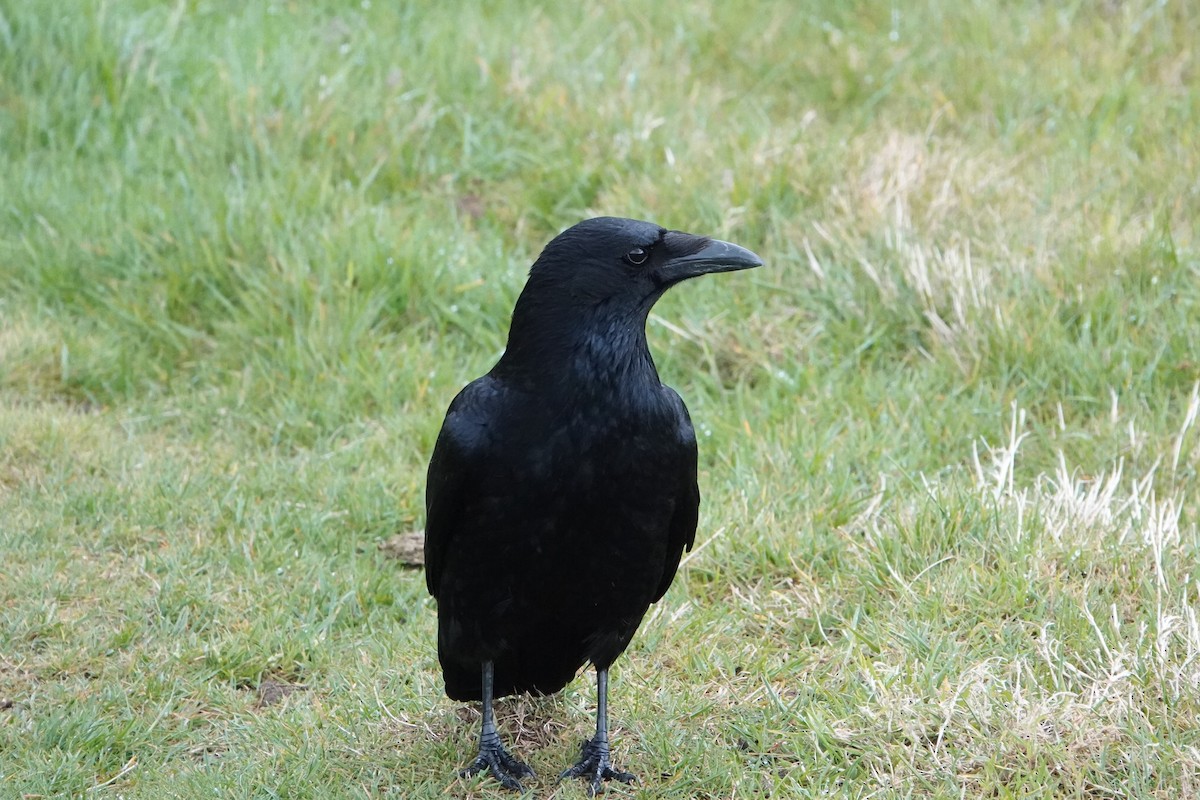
x=562 y=488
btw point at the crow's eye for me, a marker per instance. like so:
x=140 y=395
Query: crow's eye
x=636 y=256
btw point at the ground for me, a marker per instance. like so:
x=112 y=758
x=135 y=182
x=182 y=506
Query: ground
x=948 y=433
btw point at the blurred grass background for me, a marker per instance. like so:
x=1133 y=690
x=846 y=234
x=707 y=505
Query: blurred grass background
x=249 y=253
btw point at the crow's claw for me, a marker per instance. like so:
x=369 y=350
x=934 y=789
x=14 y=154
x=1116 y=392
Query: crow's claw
x=594 y=763
x=503 y=767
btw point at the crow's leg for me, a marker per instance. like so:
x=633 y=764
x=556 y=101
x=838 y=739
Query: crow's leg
x=594 y=762
x=492 y=755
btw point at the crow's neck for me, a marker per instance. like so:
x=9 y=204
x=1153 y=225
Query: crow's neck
x=597 y=351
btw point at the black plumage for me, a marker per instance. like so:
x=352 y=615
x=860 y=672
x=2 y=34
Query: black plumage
x=562 y=489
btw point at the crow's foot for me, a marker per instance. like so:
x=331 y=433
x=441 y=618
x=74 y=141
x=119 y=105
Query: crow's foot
x=595 y=765
x=503 y=767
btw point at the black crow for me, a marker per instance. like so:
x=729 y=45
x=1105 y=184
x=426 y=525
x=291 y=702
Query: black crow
x=562 y=488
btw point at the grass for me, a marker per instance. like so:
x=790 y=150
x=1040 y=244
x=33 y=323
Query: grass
x=949 y=442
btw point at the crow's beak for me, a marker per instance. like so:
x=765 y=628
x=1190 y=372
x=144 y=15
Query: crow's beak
x=714 y=256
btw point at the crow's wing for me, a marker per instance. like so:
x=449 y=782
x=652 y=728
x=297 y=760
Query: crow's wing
x=682 y=530
x=455 y=470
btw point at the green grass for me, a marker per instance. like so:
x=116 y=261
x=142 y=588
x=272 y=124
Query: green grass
x=949 y=445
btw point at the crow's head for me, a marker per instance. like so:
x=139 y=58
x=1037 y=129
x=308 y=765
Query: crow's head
x=624 y=265
x=588 y=295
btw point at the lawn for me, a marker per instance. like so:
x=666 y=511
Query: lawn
x=949 y=441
